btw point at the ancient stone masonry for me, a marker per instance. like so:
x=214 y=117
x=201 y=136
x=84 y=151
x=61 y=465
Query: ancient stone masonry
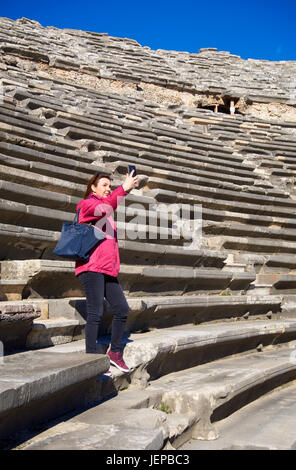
x=207 y=78
x=211 y=326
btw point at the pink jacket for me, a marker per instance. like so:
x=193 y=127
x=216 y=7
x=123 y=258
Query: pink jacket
x=104 y=258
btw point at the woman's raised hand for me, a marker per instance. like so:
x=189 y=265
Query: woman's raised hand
x=130 y=181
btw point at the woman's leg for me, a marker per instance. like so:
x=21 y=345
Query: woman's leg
x=94 y=285
x=116 y=298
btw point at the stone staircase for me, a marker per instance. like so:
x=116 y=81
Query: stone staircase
x=265 y=424
x=211 y=327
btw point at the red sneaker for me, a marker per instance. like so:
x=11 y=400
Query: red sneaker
x=116 y=360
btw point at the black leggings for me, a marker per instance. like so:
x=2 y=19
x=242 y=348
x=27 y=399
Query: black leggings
x=97 y=286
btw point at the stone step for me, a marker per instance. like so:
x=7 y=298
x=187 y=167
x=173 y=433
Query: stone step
x=211 y=72
x=193 y=158
x=39 y=385
x=16 y=322
x=15 y=120
x=134 y=252
x=50 y=332
x=97 y=121
x=46 y=278
x=63 y=320
x=11 y=289
x=267 y=423
x=262 y=289
x=226 y=385
x=40 y=274
x=263 y=264
x=54 y=193
x=158 y=311
x=155 y=183
x=210 y=201
x=285 y=284
x=161 y=311
x=48 y=177
x=29 y=101
x=21 y=132
x=25 y=242
x=289 y=161
x=30 y=215
x=274 y=284
x=34 y=180
x=246 y=218
x=210 y=308
x=22 y=242
x=191 y=177
x=15 y=116
x=133 y=142
x=189 y=162
x=162 y=351
x=138 y=143
x=53 y=171
x=128 y=434
x=273 y=146
x=188 y=400
x=24 y=52
x=200 y=163
x=251 y=244
x=179 y=281
x=131 y=216
x=247 y=230
x=38 y=151
x=66 y=197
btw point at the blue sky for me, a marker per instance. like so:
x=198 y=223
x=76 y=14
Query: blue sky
x=262 y=29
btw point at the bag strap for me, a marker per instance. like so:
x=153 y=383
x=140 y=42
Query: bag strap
x=76 y=218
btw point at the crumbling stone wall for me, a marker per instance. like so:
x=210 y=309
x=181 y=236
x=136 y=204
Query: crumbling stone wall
x=209 y=78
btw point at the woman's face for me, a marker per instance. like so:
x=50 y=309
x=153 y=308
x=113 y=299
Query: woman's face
x=103 y=188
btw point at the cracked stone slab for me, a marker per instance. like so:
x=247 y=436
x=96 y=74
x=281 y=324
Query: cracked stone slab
x=220 y=382
x=266 y=424
x=130 y=413
x=84 y=436
x=32 y=375
x=144 y=348
x=189 y=398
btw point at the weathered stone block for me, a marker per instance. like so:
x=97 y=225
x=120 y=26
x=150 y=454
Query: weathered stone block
x=16 y=321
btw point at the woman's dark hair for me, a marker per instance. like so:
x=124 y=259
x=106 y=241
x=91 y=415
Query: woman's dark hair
x=94 y=181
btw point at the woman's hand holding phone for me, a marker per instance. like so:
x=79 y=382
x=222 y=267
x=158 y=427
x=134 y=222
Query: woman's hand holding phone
x=130 y=181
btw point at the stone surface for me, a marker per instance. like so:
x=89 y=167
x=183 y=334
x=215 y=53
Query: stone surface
x=178 y=405
x=51 y=332
x=82 y=436
x=16 y=321
x=35 y=385
x=266 y=424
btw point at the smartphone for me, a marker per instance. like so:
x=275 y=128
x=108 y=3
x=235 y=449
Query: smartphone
x=131 y=168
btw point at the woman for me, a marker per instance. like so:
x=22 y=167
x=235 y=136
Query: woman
x=98 y=275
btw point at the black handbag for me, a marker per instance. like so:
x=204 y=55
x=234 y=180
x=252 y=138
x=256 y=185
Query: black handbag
x=77 y=240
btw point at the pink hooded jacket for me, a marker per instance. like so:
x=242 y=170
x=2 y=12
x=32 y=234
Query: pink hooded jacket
x=104 y=257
